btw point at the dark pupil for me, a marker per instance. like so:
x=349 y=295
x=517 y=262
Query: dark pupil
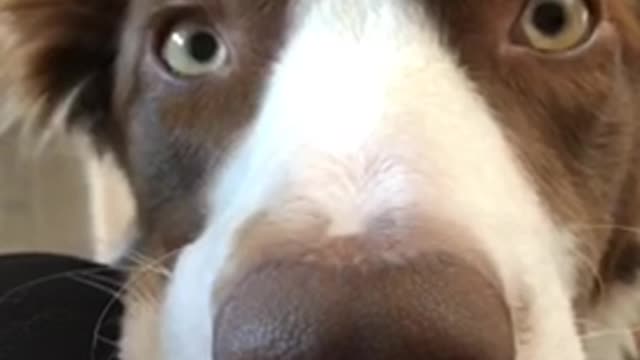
x=203 y=47
x=550 y=18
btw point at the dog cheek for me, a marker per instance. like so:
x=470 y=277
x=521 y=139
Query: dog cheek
x=142 y=323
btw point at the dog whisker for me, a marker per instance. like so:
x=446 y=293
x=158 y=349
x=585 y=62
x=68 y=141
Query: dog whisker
x=45 y=279
x=94 y=284
x=628 y=229
x=145 y=266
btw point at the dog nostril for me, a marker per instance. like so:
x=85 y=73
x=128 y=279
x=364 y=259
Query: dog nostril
x=437 y=308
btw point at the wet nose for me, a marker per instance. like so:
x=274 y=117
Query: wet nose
x=438 y=307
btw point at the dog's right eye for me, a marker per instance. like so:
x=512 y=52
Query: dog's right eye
x=193 y=50
x=556 y=25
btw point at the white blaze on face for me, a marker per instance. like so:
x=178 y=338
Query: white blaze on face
x=368 y=111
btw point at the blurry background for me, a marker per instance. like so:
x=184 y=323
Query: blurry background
x=62 y=200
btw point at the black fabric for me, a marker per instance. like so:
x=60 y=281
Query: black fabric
x=55 y=307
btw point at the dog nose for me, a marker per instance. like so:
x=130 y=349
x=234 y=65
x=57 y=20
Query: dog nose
x=438 y=307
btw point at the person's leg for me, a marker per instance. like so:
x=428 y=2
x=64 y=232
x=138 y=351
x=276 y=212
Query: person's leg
x=55 y=307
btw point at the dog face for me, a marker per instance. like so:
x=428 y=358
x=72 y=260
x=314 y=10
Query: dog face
x=366 y=179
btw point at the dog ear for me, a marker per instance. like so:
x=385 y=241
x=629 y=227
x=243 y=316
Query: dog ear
x=56 y=63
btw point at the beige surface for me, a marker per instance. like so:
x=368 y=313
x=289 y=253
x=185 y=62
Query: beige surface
x=111 y=208
x=43 y=200
x=62 y=200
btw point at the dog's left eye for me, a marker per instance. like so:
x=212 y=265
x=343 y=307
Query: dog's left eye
x=191 y=50
x=556 y=25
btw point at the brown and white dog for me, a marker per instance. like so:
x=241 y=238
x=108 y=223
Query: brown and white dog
x=358 y=179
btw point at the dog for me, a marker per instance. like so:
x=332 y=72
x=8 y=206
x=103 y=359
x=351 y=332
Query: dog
x=357 y=179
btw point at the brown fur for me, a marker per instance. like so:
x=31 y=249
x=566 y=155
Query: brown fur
x=574 y=119
x=40 y=70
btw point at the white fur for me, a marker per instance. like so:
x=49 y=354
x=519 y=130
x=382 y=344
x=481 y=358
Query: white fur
x=367 y=111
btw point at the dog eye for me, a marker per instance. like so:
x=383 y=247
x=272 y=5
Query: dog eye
x=191 y=50
x=556 y=25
